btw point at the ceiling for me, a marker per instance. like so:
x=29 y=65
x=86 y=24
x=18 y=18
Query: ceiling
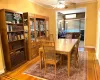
x=53 y=2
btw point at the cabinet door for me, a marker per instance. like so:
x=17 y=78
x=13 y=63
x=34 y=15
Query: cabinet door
x=34 y=50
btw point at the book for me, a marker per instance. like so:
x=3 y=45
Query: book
x=10 y=37
x=26 y=28
x=22 y=36
x=11 y=28
x=7 y=28
x=18 y=36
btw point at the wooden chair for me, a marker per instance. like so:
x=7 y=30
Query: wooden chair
x=68 y=36
x=51 y=37
x=75 y=51
x=50 y=56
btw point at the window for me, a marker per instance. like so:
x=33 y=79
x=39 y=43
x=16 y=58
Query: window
x=70 y=16
x=72 y=25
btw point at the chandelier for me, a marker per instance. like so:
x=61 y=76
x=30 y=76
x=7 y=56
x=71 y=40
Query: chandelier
x=60 y=4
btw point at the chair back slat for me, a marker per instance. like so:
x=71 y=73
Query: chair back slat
x=49 y=51
x=51 y=37
x=77 y=44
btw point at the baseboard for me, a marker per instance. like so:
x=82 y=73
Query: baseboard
x=90 y=47
x=2 y=71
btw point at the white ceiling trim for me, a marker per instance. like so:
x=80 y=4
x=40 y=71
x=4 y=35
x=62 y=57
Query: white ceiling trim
x=49 y=3
x=45 y=6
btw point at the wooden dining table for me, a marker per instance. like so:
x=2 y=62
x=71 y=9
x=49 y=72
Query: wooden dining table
x=62 y=46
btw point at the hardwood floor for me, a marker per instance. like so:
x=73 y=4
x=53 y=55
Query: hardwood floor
x=93 y=69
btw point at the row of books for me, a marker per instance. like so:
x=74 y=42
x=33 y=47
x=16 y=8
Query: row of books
x=17 y=57
x=15 y=46
x=14 y=37
x=14 y=28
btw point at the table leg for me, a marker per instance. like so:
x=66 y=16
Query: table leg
x=68 y=64
x=40 y=54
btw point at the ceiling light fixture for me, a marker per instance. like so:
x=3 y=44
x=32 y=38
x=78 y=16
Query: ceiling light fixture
x=60 y=4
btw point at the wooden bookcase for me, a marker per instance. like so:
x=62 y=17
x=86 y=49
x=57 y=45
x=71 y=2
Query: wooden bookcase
x=13 y=38
x=35 y=26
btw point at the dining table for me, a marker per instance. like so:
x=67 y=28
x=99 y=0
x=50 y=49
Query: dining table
x=62 y=46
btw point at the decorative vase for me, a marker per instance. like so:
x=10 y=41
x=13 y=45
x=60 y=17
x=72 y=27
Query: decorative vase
x=17 y=21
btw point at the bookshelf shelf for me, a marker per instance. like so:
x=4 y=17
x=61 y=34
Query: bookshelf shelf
x=17 y=49
x=16 y=40
x=13 y=38
x=15 y=31
x=14 y=24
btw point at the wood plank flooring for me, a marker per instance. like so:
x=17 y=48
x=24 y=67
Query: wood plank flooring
x=93 y=69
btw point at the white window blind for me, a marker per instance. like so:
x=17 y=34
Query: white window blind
x=70 y=16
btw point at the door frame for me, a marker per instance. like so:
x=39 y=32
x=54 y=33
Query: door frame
x=71 y=9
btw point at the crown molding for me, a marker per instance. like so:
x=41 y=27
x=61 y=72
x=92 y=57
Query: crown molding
x=42 y=5
x=48 y=6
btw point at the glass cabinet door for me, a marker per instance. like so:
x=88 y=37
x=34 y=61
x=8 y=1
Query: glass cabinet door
x=42 y=28
x=47 y=32
x=32 y=29
x=37 y=28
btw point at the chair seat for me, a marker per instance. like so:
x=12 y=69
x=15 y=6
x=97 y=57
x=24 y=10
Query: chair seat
x=51 y=60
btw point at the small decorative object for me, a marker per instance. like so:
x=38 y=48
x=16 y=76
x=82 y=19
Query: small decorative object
x=17 y=17
x=13 y=22
x=8 y=21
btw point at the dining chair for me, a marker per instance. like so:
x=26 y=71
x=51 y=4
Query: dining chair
x=51 y=37
x=75 y=51
x=50 y=56
x=41 y=50
x=68 y=36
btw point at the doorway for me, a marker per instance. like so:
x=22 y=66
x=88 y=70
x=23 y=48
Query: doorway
x=71 y=21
